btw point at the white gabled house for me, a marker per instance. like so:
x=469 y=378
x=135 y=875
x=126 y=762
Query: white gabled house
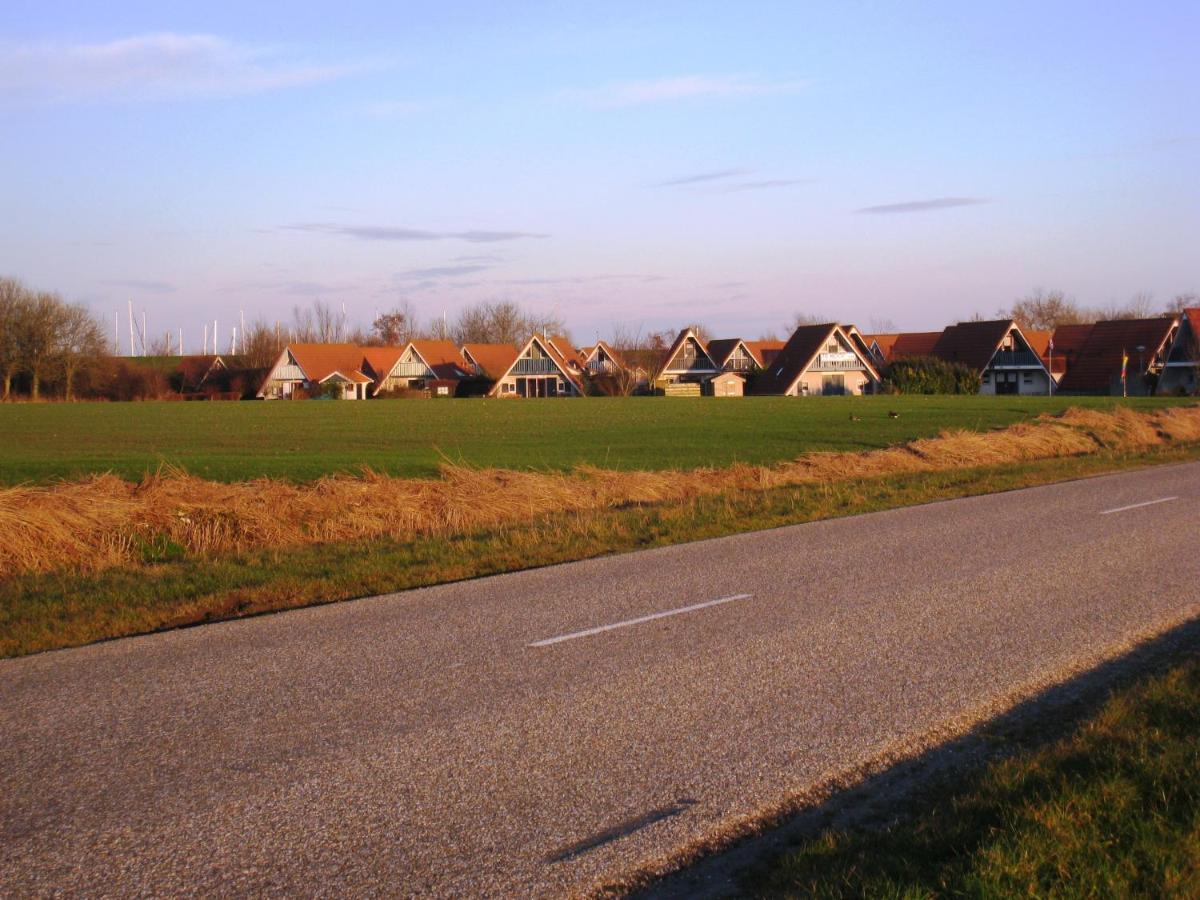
x=687 y=362
x=317 y=369
x=424 y=365
x=541 y=369
x=819 y=360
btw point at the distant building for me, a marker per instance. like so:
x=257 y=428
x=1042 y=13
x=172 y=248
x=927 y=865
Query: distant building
x=1180 y=372
x=999 y=352
x=334 y=370
x=1096 y=368
x=819 y=360
x=544 y=367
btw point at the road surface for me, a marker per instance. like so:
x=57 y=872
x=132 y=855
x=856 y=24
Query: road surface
x=528 y=734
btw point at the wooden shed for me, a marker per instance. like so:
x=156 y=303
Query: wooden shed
x=727 y=384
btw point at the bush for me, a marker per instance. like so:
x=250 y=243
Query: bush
x=929 y=375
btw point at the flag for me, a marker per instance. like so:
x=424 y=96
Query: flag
x=1051 y=343
x=1124 y=363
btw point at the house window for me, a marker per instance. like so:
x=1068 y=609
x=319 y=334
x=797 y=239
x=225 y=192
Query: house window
x=987 y=377
x=1028 y=377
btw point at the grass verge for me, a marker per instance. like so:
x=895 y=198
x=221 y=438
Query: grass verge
x=61 y=609
x=1110 y=810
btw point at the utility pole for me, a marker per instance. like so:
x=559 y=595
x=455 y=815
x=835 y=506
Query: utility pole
x=131 y=352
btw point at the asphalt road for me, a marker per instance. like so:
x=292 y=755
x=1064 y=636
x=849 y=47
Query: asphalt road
x=441 y=741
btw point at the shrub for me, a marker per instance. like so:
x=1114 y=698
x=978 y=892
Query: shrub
x=930 y=375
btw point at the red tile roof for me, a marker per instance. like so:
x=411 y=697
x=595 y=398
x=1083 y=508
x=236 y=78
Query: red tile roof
x=493 y=359
x=1096 y=367
x=910 y=343
x=444 y=358
x=319 y=361
x=379 y=361
x=765 y=351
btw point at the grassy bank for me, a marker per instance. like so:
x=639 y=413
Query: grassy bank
x=47 y=611
x=1111 y=810
x=304 y=441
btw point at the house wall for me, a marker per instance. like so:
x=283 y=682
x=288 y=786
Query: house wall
x=811 y=384
x=509 y=387
x=1037 y=384
x=1175 y=378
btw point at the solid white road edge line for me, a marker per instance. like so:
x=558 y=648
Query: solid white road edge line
x=587 y=632
x=1137 y=505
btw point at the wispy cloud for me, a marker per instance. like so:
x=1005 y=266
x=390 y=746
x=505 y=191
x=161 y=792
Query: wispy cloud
x=702 y=177
x=764 y=185
x=152 y=67
x=390 y=233
x=393 y=109
x=439 y=272
x=145 y=287
x=581 y=279
x=683 y=87
x=924 y=205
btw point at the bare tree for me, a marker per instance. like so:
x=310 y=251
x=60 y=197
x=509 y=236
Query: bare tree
x=14 y=307
x=501 y=322
x=81 y=342
x=802 y=318
x=1045 y=311
x=1180 y=302
x=261 y=345
x=881 y=325
x=396 y=327
x=318 y=324
x=36 y=336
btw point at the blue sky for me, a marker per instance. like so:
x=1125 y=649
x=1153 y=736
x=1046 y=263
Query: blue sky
x=636 y=164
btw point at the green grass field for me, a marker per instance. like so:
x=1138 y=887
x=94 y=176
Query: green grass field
x=304 y=440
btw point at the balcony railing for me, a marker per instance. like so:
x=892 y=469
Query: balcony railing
x=739 y=364
x=601 y=367
x=410 y=370
x=690 y=364
x=535 y=367
x=1014 y=359
x=837 y=362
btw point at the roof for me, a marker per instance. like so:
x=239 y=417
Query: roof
x=566 y=353
x=444 y=357
x=972 y=343
x=721 y=349
x=1098 y=361
x=796 y=356
x=354 y=376
x=379 y=361
x=1039 y=341
x=319 y=361
x=765 y=351
x=493 y=359
x=1068 y=339
x=910 y=343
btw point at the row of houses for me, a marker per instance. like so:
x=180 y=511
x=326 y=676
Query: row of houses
x=1136 y=356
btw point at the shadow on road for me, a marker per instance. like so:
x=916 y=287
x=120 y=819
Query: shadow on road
x=896 y=792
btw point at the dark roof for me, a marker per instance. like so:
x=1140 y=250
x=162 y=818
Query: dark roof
x=721 y=348
x=1068 y=339
x=1098 y=361
x=805 y=342
x=972 y=343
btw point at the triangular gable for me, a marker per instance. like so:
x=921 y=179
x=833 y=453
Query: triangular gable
x=687 y=336
x=551 y=353
x=286 y=359
x=599 y=348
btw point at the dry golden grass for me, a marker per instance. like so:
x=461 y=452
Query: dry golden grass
x=104 y=521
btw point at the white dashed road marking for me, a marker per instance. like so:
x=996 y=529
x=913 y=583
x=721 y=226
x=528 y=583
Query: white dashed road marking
x=588 y=632
x=1137 y=505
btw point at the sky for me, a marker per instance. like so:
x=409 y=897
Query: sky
x=640 y=165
